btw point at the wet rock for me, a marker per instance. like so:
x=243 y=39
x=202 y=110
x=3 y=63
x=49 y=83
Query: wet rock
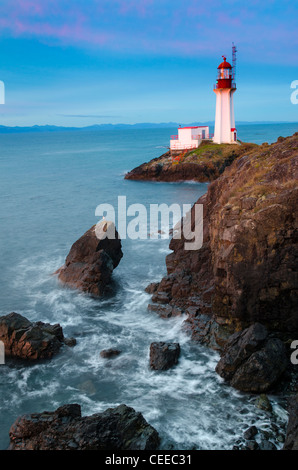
x=250 y=433
x=291 y=441
x=161 y=298
x=165 y=311
x=108 y=353
x=267 y=445
x=120 y=428
x=239 y=348
x=164 y=355
x=263 y=403
x=263 y=369
x=70 y=342
x=251 y=361
x=26 y=340
x=92 y=259
x=251 y=445
x=151 y=288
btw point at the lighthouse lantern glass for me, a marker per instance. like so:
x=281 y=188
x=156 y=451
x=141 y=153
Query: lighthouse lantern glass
x=224 y=73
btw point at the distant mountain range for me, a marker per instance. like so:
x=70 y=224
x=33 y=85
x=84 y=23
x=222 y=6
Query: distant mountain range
x=144 y=125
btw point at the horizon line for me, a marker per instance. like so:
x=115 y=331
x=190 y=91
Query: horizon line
x=146 y=124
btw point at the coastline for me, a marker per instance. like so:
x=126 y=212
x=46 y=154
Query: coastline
x=204 y=164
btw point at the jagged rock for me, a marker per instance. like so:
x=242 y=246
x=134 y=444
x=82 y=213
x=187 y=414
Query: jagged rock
x=251 y=361
x=239 y=347
x=26 y=340
x=151 y=288
x=70 y=342
x=263 y=403
x=92 y=259
x=291 y=441
x=267 y=445
x=165 y=311
x=164 y=355
x=120 y=428
x=108 y=353
x=250 y=433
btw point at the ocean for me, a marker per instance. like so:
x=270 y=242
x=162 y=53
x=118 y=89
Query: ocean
x=50 y=186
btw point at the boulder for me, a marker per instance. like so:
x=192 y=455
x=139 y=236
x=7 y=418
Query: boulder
x=164 y=355
x=252 y=361
x=238 y=349
x=108 y=353
x=26 y=340
x=92 y=259
x=120 y=428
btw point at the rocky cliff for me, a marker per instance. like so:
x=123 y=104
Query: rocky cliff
x=203 y=164
x=246 y=270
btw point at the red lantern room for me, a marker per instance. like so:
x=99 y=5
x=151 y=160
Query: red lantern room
x=225 y=75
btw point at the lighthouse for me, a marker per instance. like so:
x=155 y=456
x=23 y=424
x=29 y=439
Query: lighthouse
x=224 y=129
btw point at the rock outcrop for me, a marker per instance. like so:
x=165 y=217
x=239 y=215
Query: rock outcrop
x=203 y=164
x=92 y=259
x=252 y=361
x=109 y=353
x=120 y=428
x=246 y=270
x=26 y=340
x=291 y=442
x=163 y=356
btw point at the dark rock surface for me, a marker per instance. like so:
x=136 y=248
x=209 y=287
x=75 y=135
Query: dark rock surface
x=250 y=433
x=252 y=361
x=120 y=428
x=291 y=441
x=108 y=353
x=163 y=356
x=26 y=340
x=92 y=259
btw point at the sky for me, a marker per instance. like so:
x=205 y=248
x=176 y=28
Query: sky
x=84 y=62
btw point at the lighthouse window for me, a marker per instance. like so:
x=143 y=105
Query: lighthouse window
x=224 y=73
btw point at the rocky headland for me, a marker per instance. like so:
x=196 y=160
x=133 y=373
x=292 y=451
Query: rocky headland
x=204 y=164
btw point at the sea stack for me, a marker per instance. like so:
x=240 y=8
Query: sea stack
x=92 y=259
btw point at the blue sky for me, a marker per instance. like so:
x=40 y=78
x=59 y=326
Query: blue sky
x=77 y=63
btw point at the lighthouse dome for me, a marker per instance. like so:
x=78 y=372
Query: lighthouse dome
x=224 y=64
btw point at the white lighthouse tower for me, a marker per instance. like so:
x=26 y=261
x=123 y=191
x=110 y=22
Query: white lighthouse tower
x=224 y=129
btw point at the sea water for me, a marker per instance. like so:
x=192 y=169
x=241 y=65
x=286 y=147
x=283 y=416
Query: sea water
x=50 y=186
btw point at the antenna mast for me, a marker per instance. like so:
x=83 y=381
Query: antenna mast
x=234 y=50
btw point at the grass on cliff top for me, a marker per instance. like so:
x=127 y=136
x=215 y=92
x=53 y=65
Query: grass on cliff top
x=208 y=152
x=271 y=169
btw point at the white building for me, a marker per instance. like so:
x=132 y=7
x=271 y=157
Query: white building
x=224 y=129
x=188 y=138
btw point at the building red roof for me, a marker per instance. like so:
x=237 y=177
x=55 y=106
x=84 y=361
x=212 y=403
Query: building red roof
x=191 y=127
x=224 y=64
